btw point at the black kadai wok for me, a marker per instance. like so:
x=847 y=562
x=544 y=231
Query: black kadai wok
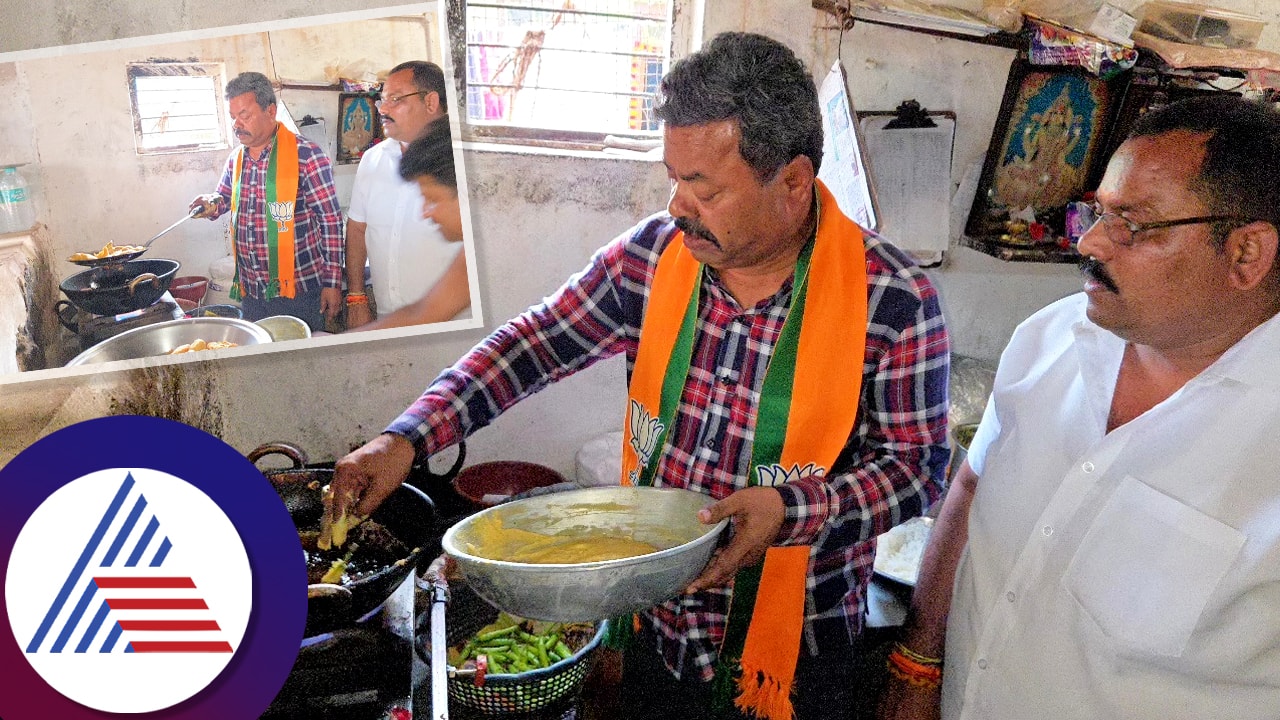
x=379 y=554
x=114 y=291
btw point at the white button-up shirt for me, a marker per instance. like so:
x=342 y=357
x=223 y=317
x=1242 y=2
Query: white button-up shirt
x=407 y=254
x=1132 y=574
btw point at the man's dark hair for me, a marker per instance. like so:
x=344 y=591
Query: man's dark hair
x=756 y=81
x=252 y=82
x=1238 y=174
x=427 y=77
x=431 y=154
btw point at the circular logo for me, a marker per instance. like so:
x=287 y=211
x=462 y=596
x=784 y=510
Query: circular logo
x=159 y=575
x=134 y=578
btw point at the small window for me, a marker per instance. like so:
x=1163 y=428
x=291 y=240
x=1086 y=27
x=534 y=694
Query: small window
x=177 y=107
x=584 y=67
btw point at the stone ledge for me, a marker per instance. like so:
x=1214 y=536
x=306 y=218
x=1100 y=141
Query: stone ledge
x=19 y=243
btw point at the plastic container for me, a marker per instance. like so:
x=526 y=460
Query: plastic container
x=599 y=461
x=1200 y=25
x=189 y=287
x=488 y=483
x=16 y=212
x=546 y=692
x=223 y=311
x=221 y=273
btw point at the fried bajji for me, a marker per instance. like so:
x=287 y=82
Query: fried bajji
x=108 y=250
x=199 y=344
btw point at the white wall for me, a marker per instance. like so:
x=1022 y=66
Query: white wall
x=537 y=219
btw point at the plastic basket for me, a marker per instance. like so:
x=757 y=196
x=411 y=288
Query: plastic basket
x=508 y=695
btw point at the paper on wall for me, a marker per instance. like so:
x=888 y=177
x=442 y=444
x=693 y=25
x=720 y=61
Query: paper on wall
x=843 y=170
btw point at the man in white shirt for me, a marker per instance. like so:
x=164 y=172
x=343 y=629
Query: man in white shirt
x=1111 y=548
x=407 y=253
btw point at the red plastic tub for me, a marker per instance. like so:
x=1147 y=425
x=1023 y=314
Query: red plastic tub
x=489 y=483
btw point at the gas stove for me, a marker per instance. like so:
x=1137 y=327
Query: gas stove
x=92 y=329
x=358 y=672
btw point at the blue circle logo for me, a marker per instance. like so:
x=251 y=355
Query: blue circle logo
x=150 y=570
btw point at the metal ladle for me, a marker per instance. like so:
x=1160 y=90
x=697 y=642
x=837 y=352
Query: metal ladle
x=188 y=216
x=116 y=262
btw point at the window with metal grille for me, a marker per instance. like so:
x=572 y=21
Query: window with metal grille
x=584 y=66
x=177 y=107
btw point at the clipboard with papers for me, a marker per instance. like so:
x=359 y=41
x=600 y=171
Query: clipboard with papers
x=909 y=153
x=891 y=179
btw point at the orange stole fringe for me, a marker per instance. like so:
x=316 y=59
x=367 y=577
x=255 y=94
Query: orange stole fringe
x=768 y=676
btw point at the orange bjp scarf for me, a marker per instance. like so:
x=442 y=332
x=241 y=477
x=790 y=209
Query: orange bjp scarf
x=808 y=406
x=281 y=193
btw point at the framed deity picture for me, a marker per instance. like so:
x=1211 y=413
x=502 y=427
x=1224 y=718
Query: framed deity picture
x=358 y=126
x=1046 y=151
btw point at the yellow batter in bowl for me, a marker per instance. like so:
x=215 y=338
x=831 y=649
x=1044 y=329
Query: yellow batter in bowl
x=496 y=541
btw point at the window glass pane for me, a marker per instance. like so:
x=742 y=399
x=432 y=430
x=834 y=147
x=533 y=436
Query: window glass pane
x=176 y=107
x=592 y=65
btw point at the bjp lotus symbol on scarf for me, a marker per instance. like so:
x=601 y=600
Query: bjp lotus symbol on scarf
x=646 y=431
x=282 y=213
x=773 y=475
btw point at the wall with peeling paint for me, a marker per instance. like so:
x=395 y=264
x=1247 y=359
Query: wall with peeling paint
x=537 y=218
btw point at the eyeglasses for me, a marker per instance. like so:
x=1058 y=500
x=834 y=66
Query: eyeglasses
x=1121 y=230
x=381 y=99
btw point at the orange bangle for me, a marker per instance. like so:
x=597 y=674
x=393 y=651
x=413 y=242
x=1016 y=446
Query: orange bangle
x=358 y=299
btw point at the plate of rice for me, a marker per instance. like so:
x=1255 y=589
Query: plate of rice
x=898 y=552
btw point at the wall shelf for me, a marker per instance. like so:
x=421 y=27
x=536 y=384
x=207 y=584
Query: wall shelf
x=1012 y=41
x=848 y=13
x=314 y=88
x=1047 y=253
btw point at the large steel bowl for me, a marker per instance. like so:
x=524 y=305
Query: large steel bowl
x=160 y=338
x=586 y=592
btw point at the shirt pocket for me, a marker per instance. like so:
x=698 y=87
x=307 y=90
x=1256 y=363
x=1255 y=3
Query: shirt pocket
x=1147 y=567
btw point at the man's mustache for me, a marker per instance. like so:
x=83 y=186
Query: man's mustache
x=697 y=229
x=1092 y=268
x=385 y=118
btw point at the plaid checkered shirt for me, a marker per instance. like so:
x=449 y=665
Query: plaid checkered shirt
x=890 y=470
x=321 y=250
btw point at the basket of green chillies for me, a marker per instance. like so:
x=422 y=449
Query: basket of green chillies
x=529 y=665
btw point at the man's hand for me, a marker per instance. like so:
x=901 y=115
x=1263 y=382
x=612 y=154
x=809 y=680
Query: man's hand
x=757 y=514
x=367 y=475
x=358 y=314
x=330 y=301
x=903 y=701
x=207 y=206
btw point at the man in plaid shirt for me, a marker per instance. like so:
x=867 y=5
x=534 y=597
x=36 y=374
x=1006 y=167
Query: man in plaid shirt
x=743 y=141
x=319 y=250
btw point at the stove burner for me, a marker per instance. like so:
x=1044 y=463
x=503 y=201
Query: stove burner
x=353 y=673
x=93 y=329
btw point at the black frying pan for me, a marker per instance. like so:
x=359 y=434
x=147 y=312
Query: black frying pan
x=407 y=513
x=137 y=284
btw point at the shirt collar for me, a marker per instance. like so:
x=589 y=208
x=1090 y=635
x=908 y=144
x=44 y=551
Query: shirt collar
x=781 y=298
x=1249 y=361
x=1252 y=359
x=266 y=149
